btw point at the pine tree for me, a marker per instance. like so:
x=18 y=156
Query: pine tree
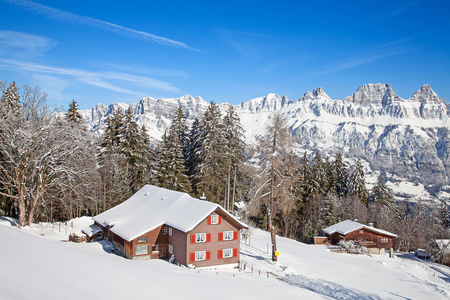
x=331 y=176
x=212 y=169
x=73 y=115
x=180 y=127
x=357 y=184
x=341 y=180
x=234 y=155
x=10 y=101
x=194 y=157
x=319 y=176
x=382 y=195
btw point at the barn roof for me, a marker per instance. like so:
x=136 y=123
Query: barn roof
x=152 y=206
x=347 y=226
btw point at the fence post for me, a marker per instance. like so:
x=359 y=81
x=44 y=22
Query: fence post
x=267 y=274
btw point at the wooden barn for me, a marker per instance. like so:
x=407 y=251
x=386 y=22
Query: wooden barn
x=374 y=239
x=159 y=223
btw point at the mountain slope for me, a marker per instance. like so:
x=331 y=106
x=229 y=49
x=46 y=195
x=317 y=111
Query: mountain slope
x=407 y=138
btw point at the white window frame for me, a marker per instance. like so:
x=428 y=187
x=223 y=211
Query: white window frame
x=214 y=219
x=227 y=253
x=140 y=249
x=200 y=255
x=228 y=235
x=164 y=230
x=200 y=237
x=142 y=239
x=170 y=248
x=170 y=231
x=385 y=240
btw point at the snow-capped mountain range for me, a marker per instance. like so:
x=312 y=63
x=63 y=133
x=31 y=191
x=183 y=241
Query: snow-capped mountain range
x=403 y=138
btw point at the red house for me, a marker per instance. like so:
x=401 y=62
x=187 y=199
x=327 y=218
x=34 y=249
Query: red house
x=159 y=223
x=374 y=239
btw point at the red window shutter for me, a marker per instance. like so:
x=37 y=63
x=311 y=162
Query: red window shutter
x=209 y=220
x=192 y=238
x=193 y=256
x=220 y=236
x=208 y=255
x=208 y=237
x=235 y=252
x=220 y=219
x=235 y=235
x=220 y=254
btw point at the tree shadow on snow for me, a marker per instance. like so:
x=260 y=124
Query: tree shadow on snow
x=12 y=221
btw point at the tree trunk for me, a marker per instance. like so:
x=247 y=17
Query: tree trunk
x=234 y=190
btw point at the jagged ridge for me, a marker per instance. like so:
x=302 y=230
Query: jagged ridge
x=408 y=138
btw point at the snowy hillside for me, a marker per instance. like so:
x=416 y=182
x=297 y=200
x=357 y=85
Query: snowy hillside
x=403 y=138
x=39 y=263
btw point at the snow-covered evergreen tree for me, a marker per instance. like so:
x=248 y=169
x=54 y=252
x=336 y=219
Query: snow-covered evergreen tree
x=357 y=183
x=194 y=156
x=212 y=169
x=234 y=155
x=73 y=114
x=341 y=180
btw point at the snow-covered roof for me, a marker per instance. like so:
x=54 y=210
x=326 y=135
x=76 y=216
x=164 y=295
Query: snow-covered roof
x=91 y=230
x=153 y=206
x=443 y=244
x=347 y=226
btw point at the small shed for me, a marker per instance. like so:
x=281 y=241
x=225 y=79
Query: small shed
x=374 y=239
x=93 y=232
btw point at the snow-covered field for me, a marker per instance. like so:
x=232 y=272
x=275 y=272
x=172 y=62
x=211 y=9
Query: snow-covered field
x=39 y=263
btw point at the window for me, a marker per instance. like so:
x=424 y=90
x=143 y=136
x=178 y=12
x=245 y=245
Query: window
x=361 y=231
x=228 y=235
x=384 y=240
x=155 y=248
x=142 y=239
x=200 y=237
x=164 y=230
x=227 y=253
x=170 y=231
x=200 y=255
x=170 y=248
x=143 y=249
x=214 y=219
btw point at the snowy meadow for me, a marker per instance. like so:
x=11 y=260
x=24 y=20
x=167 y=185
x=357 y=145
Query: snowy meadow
x=38 y=262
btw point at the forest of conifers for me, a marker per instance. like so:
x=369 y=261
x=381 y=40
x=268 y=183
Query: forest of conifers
x=53 y=169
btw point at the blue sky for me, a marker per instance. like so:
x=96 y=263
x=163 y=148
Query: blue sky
x=226 y=51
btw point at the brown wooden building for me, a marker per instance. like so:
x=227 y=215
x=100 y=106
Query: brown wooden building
x=374 y=239
x=159 y=223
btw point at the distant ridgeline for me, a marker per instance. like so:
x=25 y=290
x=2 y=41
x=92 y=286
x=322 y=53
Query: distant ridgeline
x=408 y=138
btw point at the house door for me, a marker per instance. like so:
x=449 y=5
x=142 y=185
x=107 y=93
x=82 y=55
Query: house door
x=162 y=251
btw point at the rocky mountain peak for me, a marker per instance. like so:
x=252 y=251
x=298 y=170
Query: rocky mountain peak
x=370 y=94
x=315 y=94
x=426 y=94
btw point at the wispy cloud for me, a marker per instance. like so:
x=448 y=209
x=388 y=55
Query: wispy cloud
x=33 y=45
x=108 y=80
x=378 y=53
x=85 y=20
x=404 y=7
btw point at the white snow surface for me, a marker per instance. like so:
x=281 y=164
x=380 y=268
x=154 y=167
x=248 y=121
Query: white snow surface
x=153 y=206
x=348 y=226
x=38 y=262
